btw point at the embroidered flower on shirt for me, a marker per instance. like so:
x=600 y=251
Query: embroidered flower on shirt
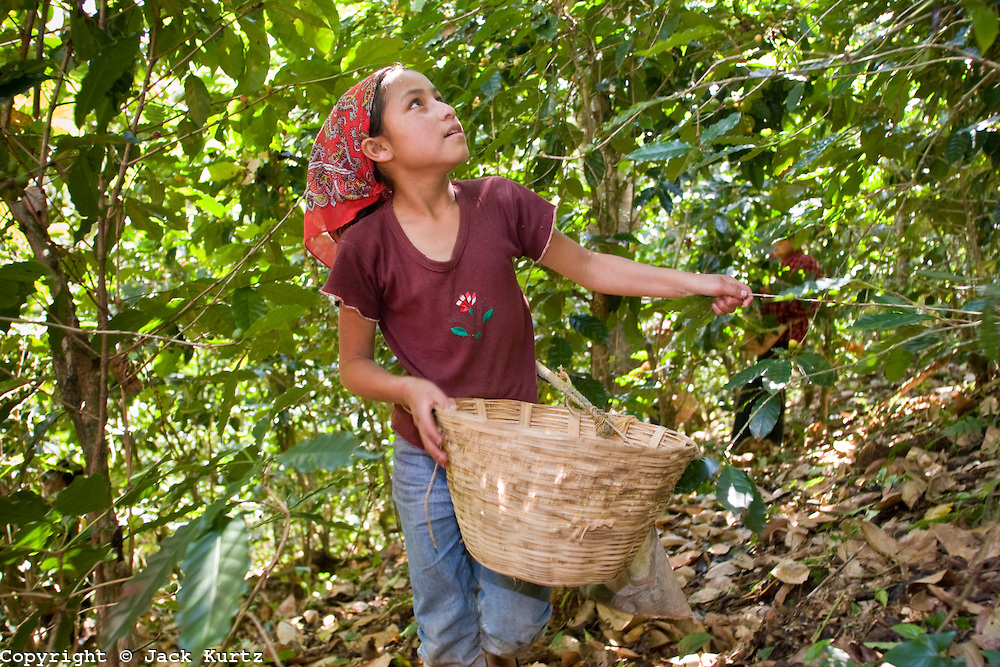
x=466 y=305
x=466 y=302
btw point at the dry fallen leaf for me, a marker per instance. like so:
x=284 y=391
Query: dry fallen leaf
x=286 y=633
x=705 y=595
x=879 y=540
x=383 y=660
x=616 y=620
x=790 y=572
x=381 y=639
x=956 y=541
x=288 y=607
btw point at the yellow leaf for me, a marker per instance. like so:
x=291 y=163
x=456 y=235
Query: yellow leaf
x=938 y=512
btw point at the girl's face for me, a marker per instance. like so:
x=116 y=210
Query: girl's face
x=419 y=127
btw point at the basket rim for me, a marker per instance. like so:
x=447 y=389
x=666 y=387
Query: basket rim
x=469 y=419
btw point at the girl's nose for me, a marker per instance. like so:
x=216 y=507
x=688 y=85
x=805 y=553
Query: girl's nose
x=446 y=110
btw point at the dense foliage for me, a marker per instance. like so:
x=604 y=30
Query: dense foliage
x=169 y=386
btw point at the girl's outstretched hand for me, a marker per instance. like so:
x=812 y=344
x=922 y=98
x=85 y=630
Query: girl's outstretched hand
x=423 y=397
x=729 y=293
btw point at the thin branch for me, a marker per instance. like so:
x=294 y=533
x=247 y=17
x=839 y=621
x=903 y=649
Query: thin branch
x=115 y=332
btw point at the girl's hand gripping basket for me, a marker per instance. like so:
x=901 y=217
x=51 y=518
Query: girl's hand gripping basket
x=541 y=497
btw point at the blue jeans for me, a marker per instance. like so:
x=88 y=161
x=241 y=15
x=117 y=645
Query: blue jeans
x=463 y=609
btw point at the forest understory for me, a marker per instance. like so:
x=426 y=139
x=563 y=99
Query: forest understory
x=881 y=536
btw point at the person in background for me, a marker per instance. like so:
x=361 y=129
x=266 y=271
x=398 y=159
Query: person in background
x=792 y=318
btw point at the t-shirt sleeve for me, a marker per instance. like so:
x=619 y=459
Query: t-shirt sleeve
x=352 y=283
x=532 y=218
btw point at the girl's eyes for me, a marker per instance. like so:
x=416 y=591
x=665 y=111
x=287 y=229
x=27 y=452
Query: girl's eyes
x=416 y=102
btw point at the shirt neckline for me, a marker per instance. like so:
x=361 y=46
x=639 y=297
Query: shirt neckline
x=460 y=240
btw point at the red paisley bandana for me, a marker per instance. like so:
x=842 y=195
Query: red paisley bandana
x=341 y=181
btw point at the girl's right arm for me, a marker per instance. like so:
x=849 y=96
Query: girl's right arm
x=361 y=376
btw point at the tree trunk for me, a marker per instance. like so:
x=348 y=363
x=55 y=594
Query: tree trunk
x=80 y=373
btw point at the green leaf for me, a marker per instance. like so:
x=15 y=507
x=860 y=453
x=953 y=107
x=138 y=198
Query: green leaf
x=459 y=331
x=816 y=651
x=137 y=593
x=17 y=284
x=816 y=369
x=887 y=321
x=85 y=494
x=232 y=57
x=199 y=100
x=989 y=331
x=559 y=353
x=697 y=473
x=764 y=414
x=105 y=70
x=718 y=129
x=775 y=372
x=896 y=363
x=738 y=494
x=958 y=147
x=492 y=86
x=593 y=168
x=735 y=489
x=372 y=52
x=660 y=151
x=908 y=630
x=589 y=327
x=22 y=507
x=693 y=643
x=248 y=307
x=276 y=318
x=678 y=39
x=746 y=375
x=82 y=181
x=985 y=23
x=19 y=76
x=326 y=451
x=215 y=570
x=924 y=651
x=258 y=53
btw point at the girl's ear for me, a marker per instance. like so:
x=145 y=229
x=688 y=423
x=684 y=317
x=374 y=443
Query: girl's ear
x=377 y=149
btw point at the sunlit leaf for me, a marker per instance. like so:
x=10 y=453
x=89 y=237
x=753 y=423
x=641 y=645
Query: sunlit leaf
x=985 y=23
x=660 y=151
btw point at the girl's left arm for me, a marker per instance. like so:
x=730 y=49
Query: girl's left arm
x=610 y=274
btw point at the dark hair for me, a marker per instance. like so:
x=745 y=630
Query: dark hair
x=375 y=128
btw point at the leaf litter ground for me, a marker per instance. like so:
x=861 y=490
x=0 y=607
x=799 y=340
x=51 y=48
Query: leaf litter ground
x=882 y=529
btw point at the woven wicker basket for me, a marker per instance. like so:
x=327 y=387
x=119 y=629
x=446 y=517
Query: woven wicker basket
x=540 y=497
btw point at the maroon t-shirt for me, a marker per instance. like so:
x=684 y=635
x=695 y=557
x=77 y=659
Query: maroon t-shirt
x=464 y=323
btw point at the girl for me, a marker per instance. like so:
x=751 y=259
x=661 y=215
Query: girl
x=431 y=264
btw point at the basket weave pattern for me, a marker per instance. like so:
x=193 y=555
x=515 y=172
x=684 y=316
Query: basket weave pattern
x=540 y=497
